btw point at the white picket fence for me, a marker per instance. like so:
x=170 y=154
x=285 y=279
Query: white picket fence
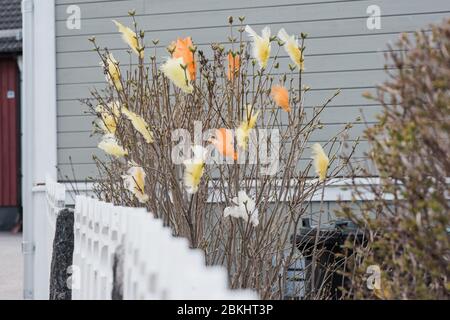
x=156 y=265
x=56 y=198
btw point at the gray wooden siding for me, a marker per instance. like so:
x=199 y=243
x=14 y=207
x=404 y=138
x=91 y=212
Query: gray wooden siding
x=341 y=52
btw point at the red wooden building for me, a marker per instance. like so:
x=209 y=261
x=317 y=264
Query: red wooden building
x=10 y=62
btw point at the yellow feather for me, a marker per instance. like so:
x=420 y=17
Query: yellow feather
x=194 y=169
x=251 y=117
x=113 y=74
x=108 y=117
x=108 y=123
x=261 y=45
x=320 y=161
x=129 y=36
x=110 y=145
x=192 y=176
x=295 y=54
x=243 y=131
x=135 y=182
x=292 y=48
x=139 y=124
x=173 y=70
x=262 y=51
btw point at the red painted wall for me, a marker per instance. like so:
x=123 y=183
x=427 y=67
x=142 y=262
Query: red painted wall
x=9 y=160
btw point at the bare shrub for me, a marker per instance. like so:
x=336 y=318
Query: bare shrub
x=243 y=208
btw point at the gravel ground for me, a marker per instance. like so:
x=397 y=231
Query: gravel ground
x=11 y=266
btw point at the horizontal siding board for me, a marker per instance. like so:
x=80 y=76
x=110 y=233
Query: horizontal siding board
x=79 y=2
x=100 y=20
x=314 y=97
x=315 y=64
x=321 y=48
x=328 y=115
x=89 y=10
x=178 y=6
x=346 y=79
x=329 y=28
x=83 y=139
x=75 y=123
x=83 y=171
x=79 y=155
x=84 y=155
x=71 y=108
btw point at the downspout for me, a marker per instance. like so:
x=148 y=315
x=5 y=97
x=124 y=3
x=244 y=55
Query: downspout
x=27 y=114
